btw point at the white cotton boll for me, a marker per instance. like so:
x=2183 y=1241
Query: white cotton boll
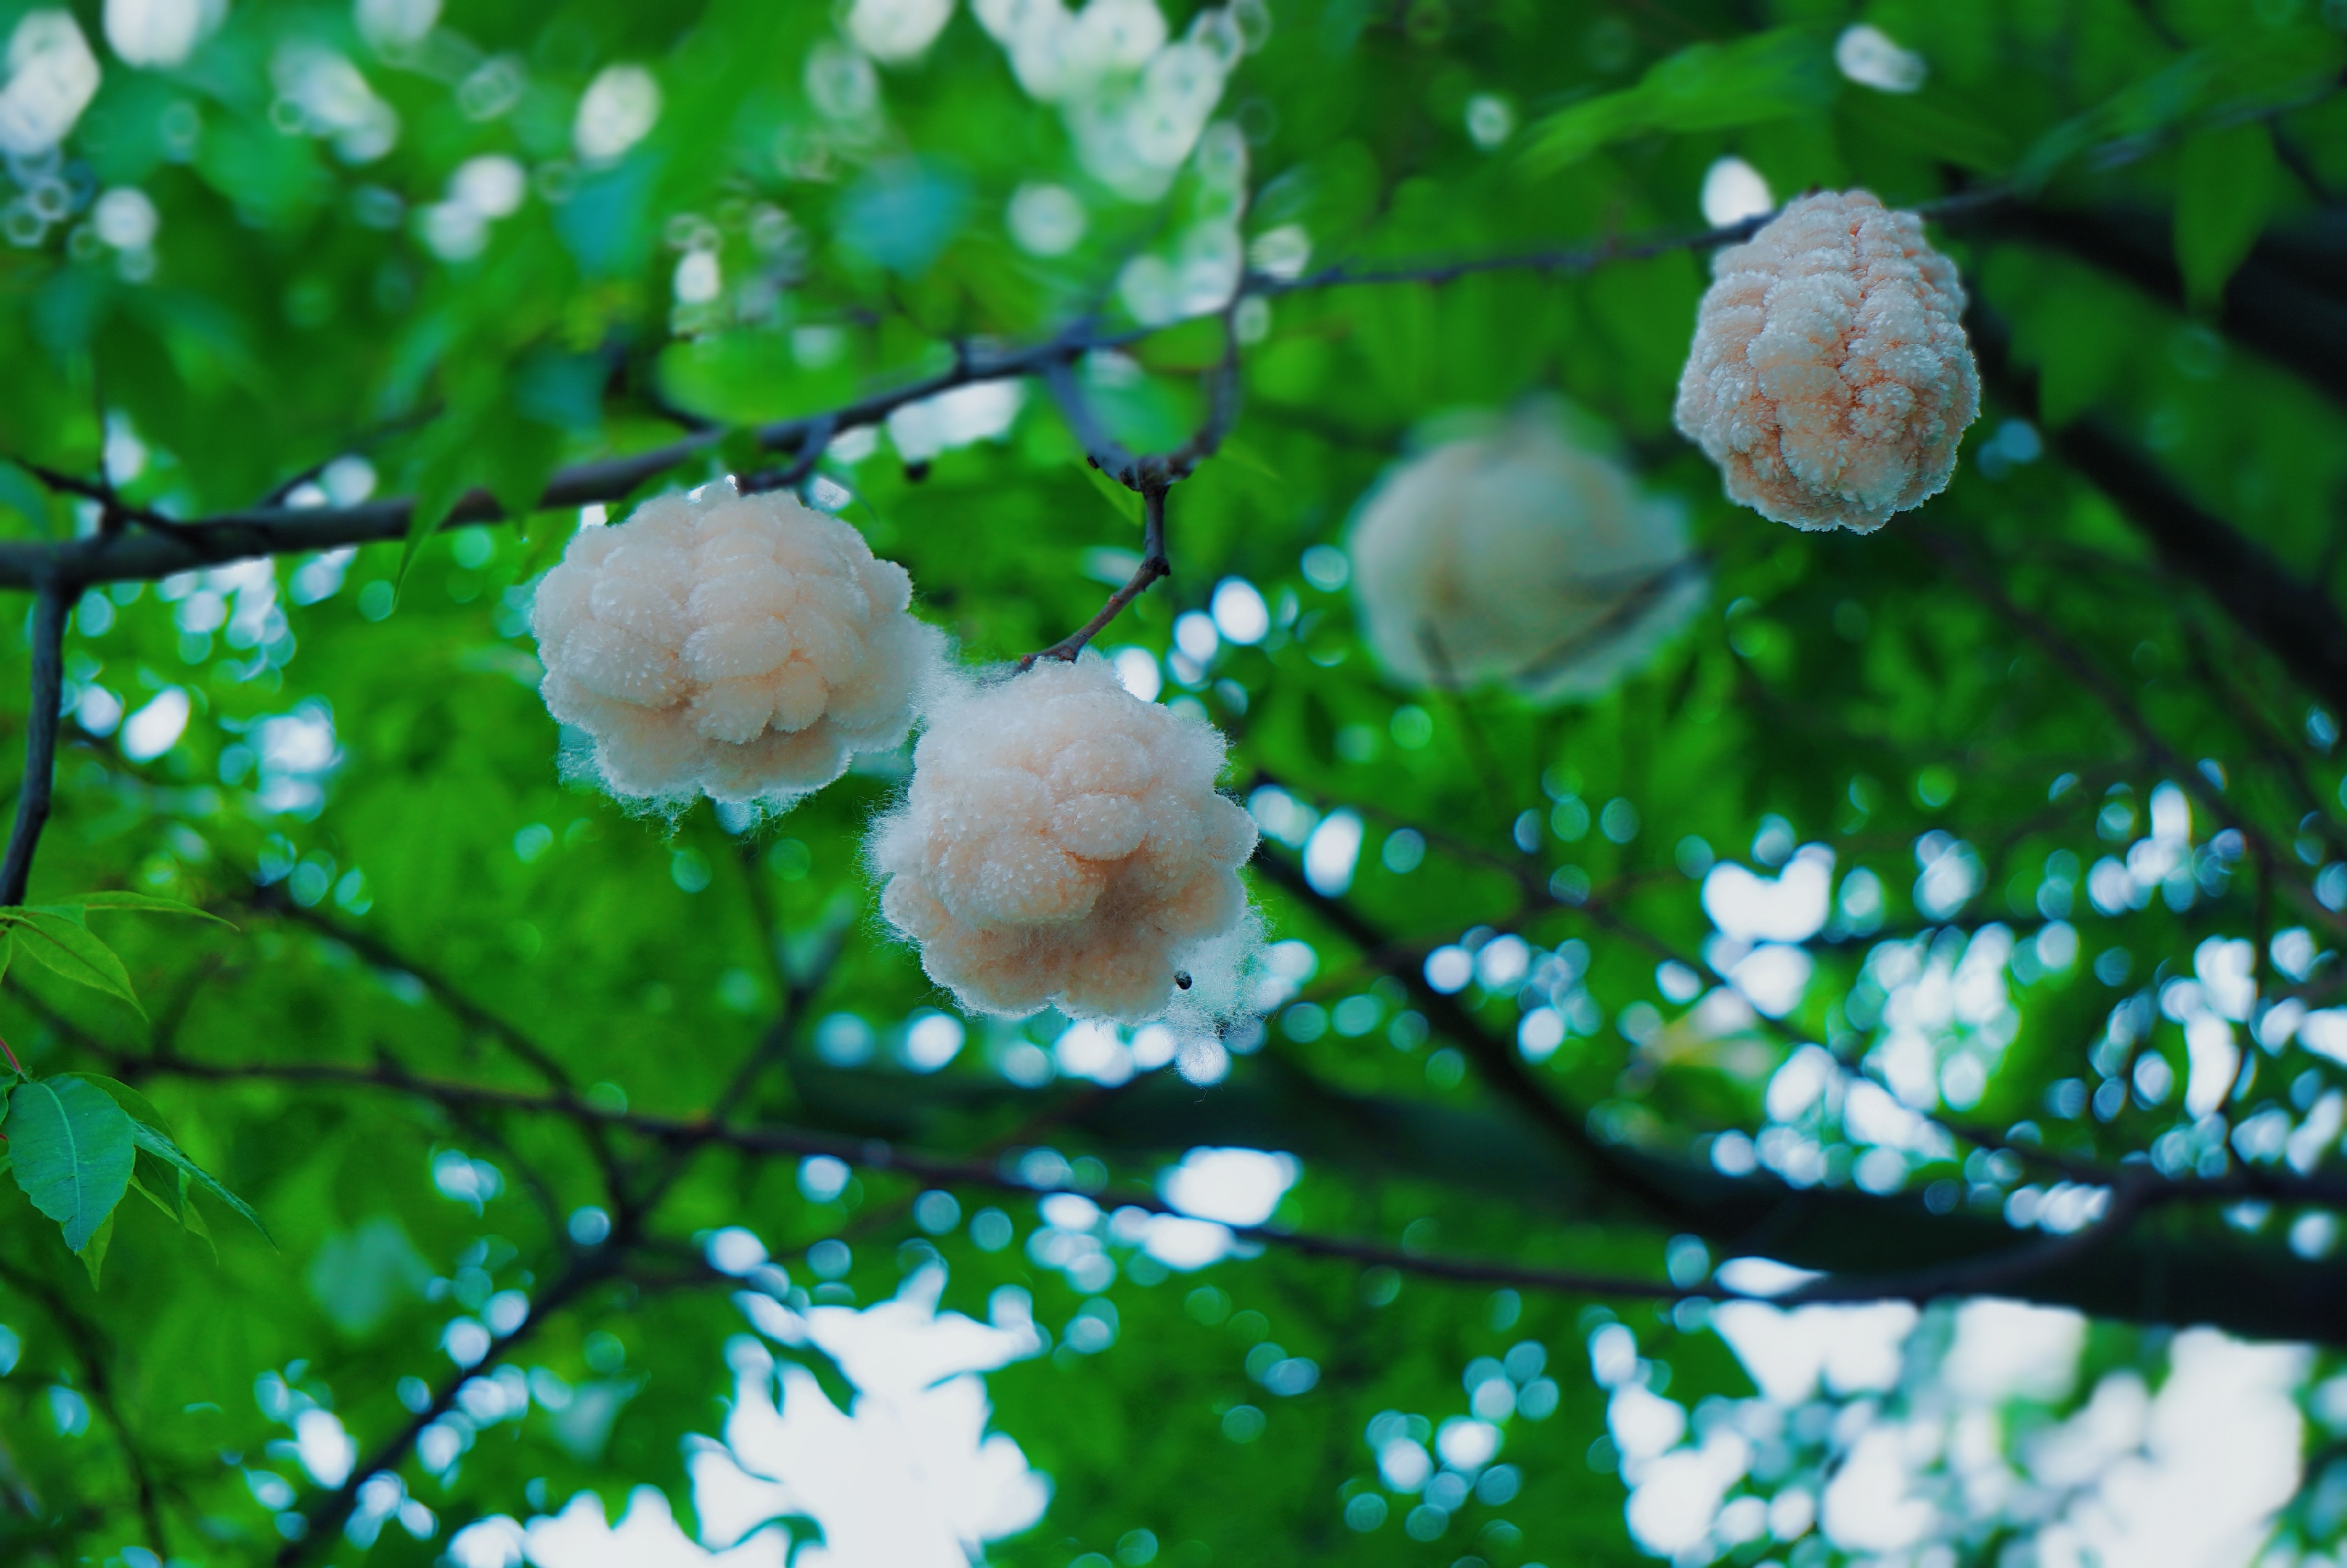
x=737 y=646
x=1062 y=843
x=1520 y=555
x=1830 y=378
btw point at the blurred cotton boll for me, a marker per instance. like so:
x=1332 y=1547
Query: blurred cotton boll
x=1734 y=190
x=52 y=77
x=1062 y=843
x=159 y=33
x=741 y=647
x=892 y=31
x=1520 y=554
x=620 y=106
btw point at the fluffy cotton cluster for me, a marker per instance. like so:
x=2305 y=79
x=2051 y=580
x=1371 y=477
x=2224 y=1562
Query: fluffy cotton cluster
x=1522 y=553
x=1062 y=843
x=1830 y=378
x=738 y=645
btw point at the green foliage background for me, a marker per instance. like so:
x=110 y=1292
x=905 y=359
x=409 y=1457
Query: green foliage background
x=450 y=895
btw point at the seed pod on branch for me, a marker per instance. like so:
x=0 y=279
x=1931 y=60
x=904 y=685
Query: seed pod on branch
x=1523 y=553
x=740 y=646
x=1830 y=378
x=1061 y=843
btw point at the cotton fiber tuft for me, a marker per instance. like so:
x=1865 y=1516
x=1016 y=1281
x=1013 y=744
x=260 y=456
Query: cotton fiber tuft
x=1062 y=843
x=738 y=646
x=1830 y=378
x=1523 y=553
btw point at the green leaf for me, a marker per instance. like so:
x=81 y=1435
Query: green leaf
x=1126 y=502
x=56 y=936
x=154 y=1141
x=142 y=1182
x=140 y=1107
x=1705 y=86
x=2226 y=183
x=148 y=903
x=72 y=1148
x=192 y=1218
x=2253 y=70
x=93 y=1251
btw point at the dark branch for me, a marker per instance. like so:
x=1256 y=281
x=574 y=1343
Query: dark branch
x=181 y=546
x=2294 y=618
x=2276 y=303
x=40 y=739
x=327 y=1515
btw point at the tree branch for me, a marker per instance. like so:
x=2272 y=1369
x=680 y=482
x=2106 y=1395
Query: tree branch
x=1154 y=565
x=40 y=739
x=328 y=1515
x=90 y=1349
x=2270 y=305
x=2295 y=619
x=184 y=546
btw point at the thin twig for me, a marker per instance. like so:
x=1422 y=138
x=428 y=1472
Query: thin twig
x=382 y=955
x=327 y=1515
x=179 y=546
x=40 y=739
x=92 y=1351
x=1154 y=565
x=812 y=446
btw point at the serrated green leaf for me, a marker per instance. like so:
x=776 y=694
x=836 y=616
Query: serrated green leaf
x=146 y=903
x=73 y=1149
x=1126 y=502
x=60 y=941
x=156 y=1142
x=2226 y=183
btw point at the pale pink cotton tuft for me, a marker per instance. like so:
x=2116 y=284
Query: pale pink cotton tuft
x=1524 y=553
x=740 y=646
x=1830 y=378
x=1062 y=844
